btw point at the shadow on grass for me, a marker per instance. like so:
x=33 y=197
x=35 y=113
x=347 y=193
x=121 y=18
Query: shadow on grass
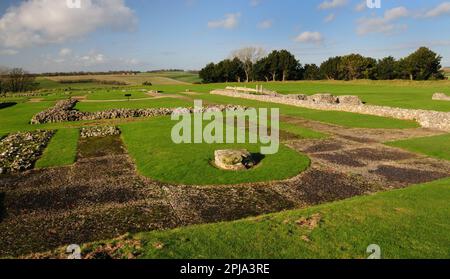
x=7 y=105
x=258 y=157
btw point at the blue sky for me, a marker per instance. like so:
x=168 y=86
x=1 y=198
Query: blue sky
x=47 y=35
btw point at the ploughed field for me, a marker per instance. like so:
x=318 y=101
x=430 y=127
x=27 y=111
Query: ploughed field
x=84 y=190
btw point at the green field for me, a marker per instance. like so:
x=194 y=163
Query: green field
x=62 y=149
x=156 y=156
x=406 y=224
x=437 y=146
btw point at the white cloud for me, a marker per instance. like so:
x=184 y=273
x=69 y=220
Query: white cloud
x=443 y=8
x=385 y=24
x=265 y=24
x=361 y=6
x=255 y=3
x=51 y=21
x=330 y=18
x=65 y=52
x=8 y=52
x=229 y=22
x=309 y=37
x=331 y=4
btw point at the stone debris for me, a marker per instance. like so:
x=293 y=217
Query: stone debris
x=235 y=160
x=100 y=131
x=350 y=100
x=19 y=151
x=64 y=111
x=441 y=97
x=325 y=98
x=426 y=118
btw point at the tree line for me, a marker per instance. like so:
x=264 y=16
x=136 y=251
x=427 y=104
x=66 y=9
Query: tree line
x=252 y=64
x=16 y=80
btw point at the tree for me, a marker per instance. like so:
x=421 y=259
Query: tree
x=273 y=64
x=387 y=68
x=287 y=64
x=249 y=56
x=17 y=80
x=423 y=64
x=236 y=70
x=330 y=68
x=207 y=74
x=356 y=66
x=311 y=72
x=261 y=70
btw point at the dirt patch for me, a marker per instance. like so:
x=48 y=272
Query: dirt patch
x=358 y=139
x=206 y=204
x=311 y=222
x=377 y=154
x=318 y=186
x=324 y=147
x=341 y=159
x=36 y=100
x=407 y=175
x=100 y=146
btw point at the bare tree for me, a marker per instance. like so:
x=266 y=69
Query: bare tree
x=17 y=80
x=3 y=74
x=249 y=56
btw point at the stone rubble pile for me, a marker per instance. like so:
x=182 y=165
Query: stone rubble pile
x=426 y=118
x=441 y=97
x=231 y=159
x=63 y=111
x=100 y=131
x=19 y=151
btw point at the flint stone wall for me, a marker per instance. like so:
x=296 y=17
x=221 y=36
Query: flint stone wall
x=426 y=118
x=441 y=97
x=100 y=131
x=63 y=112
x=19 y=151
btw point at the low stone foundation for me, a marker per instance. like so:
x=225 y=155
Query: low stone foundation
x=100 y=131
x=426 y=118
x=19 y=151
x=441 y=97
x=63 y=112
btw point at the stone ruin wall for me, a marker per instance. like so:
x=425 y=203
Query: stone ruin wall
x=426 y=118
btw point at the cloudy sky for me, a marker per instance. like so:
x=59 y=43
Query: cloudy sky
x=53 y=35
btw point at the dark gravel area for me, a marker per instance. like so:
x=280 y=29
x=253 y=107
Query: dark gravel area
x=373 y=154
x=408 y=175
x=341 y=159
x=324 y=147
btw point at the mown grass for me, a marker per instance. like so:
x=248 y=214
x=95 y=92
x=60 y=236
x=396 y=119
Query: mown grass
x=408 y=223
x=436 y=146
x=404 y=94
x=345 y=119
x=149 y=143
x=62 y=149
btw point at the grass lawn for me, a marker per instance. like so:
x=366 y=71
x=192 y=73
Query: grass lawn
x=437 y=146
x=155 y=103
x=62 y=149
x=408 y=223
x=345 y=119
x=116 y=94
x=404 y=94
x=149 y=143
